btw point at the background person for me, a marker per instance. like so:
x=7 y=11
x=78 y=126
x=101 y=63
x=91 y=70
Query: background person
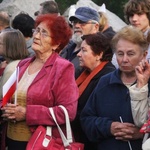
x=106 y=29
x=4 y=25
x=4 y=21
x=104 y=26
x=25 y=24
x=48 y=7
x=137 y=14
x=50 y=35
x=107 y=117
x=85 y=21
x=13 y=49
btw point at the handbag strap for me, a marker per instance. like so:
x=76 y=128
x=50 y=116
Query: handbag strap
x=68 y=140
x=49 y=131
x=68 y=126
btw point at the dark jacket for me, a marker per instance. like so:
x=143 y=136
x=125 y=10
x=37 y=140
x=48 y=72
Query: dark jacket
x=109 y=101
x=109 y=32
x=69 y=54
x=76 y=127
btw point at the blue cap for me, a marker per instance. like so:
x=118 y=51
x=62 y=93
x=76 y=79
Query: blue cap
x=85 y=14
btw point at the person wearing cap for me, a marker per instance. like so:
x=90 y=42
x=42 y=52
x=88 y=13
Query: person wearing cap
x=84 y=22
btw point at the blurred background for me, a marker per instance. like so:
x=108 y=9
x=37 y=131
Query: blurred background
x=112 y=5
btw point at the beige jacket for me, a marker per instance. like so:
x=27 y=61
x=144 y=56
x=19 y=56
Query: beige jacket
x=140 y=103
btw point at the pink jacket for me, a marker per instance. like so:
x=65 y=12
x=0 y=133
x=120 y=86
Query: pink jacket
x=54 y=85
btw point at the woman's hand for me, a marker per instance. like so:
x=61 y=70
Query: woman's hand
x=13 y=112
x=142 y=73
x=125 y=131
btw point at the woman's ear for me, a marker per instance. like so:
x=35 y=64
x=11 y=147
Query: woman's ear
x=98 y=57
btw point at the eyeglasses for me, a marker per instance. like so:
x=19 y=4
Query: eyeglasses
x=83 y=23
x=42 y=32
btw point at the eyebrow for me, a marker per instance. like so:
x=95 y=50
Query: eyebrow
x=41 y=29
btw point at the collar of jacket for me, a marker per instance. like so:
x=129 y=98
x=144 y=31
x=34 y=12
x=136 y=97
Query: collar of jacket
x=23 y=64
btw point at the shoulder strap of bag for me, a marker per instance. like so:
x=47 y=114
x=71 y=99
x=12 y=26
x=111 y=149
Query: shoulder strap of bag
x=68 y=126
x=68 y=140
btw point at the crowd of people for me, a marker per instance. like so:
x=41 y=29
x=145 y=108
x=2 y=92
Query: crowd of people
x=100 y=76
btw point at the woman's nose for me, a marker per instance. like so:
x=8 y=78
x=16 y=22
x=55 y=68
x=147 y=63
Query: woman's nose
x=79 y=54
x=125 y=58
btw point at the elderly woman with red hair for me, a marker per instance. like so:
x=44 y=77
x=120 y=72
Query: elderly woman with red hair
x=45 y=81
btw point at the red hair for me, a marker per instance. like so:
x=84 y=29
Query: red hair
x=59 y=28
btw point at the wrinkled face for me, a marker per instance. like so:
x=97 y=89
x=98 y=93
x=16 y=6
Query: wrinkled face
x=140 y=21
x=87 y=58
x=128 y=55
x=42 y=39
x=83 y=28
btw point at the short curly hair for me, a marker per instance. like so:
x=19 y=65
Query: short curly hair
x=59 y=28
x=99 y=43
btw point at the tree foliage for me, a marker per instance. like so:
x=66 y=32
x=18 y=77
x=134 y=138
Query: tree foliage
x=112 y=5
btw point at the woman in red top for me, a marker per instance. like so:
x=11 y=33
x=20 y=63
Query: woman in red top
x=46 y=80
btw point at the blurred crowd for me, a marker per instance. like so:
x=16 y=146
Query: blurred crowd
x=99 y=75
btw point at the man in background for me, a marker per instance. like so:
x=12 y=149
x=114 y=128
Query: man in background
x=47 y=7
x=85 y=21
